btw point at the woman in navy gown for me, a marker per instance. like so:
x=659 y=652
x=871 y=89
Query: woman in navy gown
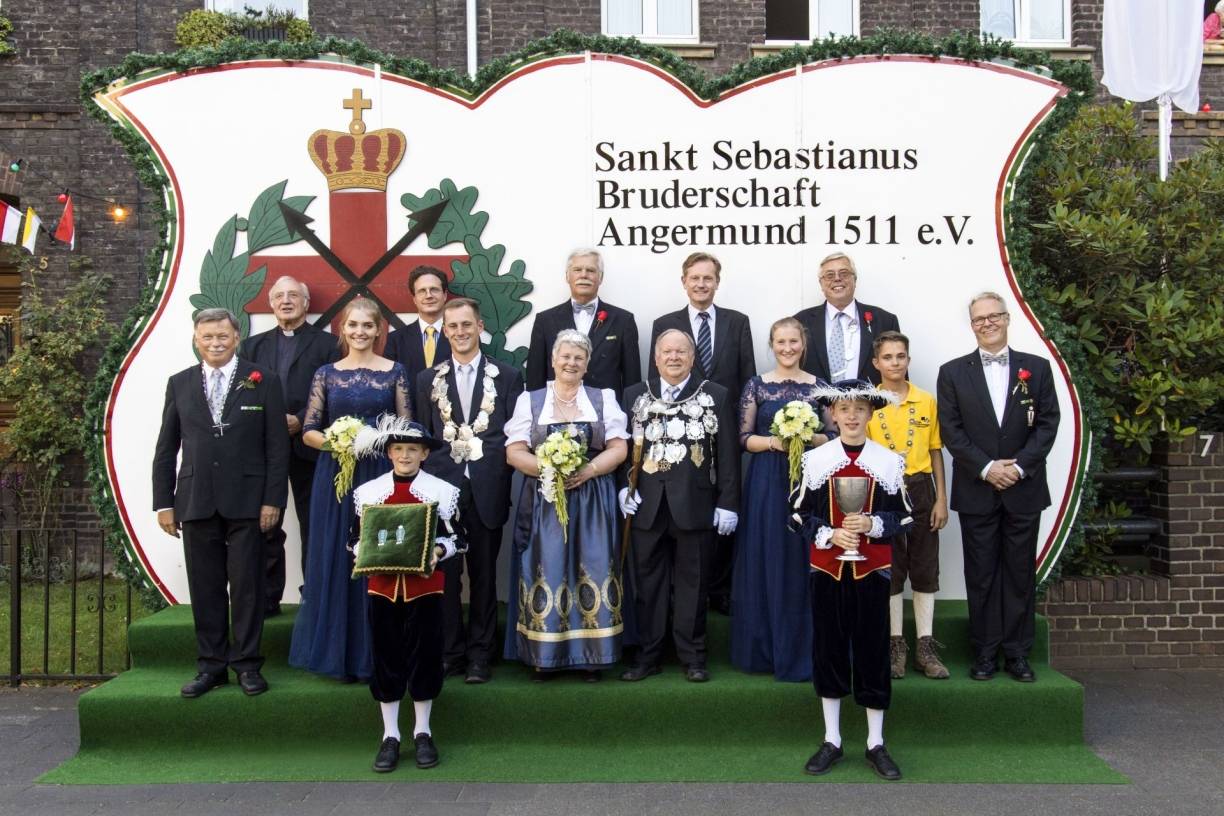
x=567 y=601
x=329 y=634
x=771 y=621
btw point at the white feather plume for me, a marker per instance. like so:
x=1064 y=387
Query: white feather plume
x=370 y=440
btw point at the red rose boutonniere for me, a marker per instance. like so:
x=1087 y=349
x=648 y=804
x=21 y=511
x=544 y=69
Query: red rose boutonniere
x=867 y=317
x=600 y=317
x=1022 y=378
x=253 y=379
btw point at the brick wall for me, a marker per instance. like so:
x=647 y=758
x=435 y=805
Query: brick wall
x=1173 y=618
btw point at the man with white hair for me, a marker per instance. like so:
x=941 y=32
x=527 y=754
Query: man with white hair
x=295 y=349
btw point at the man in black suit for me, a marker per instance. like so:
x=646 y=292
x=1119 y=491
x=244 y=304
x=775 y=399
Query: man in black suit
x=228 y=418
x=687 y=491
x=998 y=416
x=724 y=356
x=465 y=400
x=294 y=350
x=841 y=330
x=614 y=360
x=422 y=343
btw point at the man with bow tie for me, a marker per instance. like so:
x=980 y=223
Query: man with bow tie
x=998 y=415
x=613 y=332
x=228 y=419
x=465 y=401
x=841 y=330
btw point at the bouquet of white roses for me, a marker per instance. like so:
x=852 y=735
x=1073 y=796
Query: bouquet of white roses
x=338 y=439
x=796 y=425
x=560 y=456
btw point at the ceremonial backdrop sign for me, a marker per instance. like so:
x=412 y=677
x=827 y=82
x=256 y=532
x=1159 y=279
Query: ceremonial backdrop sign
x=313 y=168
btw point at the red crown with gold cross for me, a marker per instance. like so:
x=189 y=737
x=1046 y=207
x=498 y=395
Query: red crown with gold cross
x=357 y=159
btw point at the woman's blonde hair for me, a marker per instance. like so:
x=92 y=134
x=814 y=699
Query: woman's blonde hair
x=358 y=304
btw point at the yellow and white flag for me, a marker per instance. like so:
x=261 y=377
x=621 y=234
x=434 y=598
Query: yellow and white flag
x=29 y=230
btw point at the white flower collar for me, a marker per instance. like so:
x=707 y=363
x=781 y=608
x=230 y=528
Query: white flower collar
x=426 y=488
x=886 y=467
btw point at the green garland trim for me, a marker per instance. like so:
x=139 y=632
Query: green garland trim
x=963 y=46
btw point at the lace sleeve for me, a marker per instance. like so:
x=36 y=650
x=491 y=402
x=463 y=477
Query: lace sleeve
x=748 y=411
x=316 y=404
x=403 y=392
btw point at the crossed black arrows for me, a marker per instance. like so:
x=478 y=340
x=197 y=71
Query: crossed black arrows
x=423 y=222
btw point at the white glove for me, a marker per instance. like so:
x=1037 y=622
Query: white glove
x=629 y=504
x=356 y=544
x=448 y=545
x=725 y=520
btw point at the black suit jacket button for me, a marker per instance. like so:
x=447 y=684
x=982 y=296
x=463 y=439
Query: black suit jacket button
x=216 y=436
x=216 y=464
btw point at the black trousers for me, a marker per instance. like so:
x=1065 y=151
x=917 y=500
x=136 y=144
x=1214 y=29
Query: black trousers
x=474 y=641
x=721 y=565
x=301 y=475
x=850 y=638
x=666 y=563
x=406 y=645
x=223 y=553
x=1000 y=551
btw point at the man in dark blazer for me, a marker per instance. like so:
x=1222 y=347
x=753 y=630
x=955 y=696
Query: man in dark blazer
x=454 y=403
x=998 y=415
x=294 y=350
x=725 y=356
x=228 y=419
x=687 y=491
x=422 y=343
x=613 y=332
x=841 y=330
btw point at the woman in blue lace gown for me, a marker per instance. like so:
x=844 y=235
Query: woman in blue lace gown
x=771 y=624
x=329 y=634
x=567 y=600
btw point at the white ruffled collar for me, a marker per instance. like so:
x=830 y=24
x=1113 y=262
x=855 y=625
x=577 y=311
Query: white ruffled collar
x=426 y=487
x=886 y=467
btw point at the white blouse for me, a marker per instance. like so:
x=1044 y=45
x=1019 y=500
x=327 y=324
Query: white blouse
x=518 y=427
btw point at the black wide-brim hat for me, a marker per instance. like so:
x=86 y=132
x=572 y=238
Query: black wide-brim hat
x=391 y=429
x=857 y=390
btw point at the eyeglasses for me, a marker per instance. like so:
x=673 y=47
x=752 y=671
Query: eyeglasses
x=832 y=276
x=979 y=322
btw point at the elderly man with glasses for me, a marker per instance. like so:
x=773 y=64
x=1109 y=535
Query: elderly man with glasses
x=841 y=330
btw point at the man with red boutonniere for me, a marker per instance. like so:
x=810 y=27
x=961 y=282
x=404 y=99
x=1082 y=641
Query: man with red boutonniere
x=841 y=330
x=998 y=416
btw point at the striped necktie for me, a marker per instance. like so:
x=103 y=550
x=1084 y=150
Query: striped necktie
x=705 y=348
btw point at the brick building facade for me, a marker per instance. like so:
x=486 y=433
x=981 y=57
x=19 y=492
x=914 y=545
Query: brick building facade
x=41 y=122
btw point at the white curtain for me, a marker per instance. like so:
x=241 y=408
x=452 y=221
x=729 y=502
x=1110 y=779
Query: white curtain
x=1154 y=51
x=624 y=17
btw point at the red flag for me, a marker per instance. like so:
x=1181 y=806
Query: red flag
x=65 y=230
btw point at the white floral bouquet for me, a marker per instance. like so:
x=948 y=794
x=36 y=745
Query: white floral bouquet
x=338 y=439
x=560 y=456
x=796 y=425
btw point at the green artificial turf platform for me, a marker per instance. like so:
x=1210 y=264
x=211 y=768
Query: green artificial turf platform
x=736 y=728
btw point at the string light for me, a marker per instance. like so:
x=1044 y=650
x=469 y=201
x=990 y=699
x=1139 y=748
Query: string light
x=118 y=212
x=15 y=166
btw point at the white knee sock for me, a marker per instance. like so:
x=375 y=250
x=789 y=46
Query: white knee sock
x=875 y=727
x=422 y=709
x=895 y=604
x=832 y=719
x=390 y=715
x=924 y=612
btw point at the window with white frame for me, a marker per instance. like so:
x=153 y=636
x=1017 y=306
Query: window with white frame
x=298 y=7
x=654 y=20
x=1028 y=21
x=807 y=20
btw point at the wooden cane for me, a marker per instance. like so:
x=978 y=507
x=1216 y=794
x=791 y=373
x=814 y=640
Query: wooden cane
x=635 y=469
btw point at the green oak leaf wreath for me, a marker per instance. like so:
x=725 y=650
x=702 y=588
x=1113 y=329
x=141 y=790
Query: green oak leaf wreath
x=224 y=282
x=501 y=296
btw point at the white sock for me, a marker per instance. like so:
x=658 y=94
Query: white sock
x=924 y=613
x=895 y=604
x=390 y=715
x=422 y=709
x=832 y=719
x=875 y=727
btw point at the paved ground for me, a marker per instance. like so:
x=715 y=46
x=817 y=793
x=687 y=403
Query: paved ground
x=1165 y=730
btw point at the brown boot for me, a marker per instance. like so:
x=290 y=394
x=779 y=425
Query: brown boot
x=897 y=652
x=926 y=659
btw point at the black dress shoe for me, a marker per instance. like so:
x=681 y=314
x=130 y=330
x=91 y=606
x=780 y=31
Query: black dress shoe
x=539 y=675
x=478 y=672
x=824 y=759
x=696 y=673
x=252 y=683
x=202 y=684
x=453 y=669
x=720 y=604
x=272 y=610
x=639 y=672
x=426 y=751
x=983 y=668
x=592 y=676
x=883 y=764
x=388 y=756
x=1019 y=668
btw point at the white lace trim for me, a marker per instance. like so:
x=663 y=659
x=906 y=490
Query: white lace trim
x=823 y=540
x=425 y=487
x=886 y=467
x=374 y=491
x=877 y=527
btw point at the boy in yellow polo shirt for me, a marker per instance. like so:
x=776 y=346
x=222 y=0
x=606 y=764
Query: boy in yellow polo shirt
x=911 y=428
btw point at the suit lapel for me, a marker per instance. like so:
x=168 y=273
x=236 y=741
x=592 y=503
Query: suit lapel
x=199 y=389
x=722 y=323
x=565 y=315
x=235 y=386
x=1014 y=364
x=820 y=346
x=599 y=329
x=866 y=339
x=452 y=387
x=305 y=337
x=977 y=378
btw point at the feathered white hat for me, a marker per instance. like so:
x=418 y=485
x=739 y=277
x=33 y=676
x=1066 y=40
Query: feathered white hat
x=857 y=390
x=373 y=441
